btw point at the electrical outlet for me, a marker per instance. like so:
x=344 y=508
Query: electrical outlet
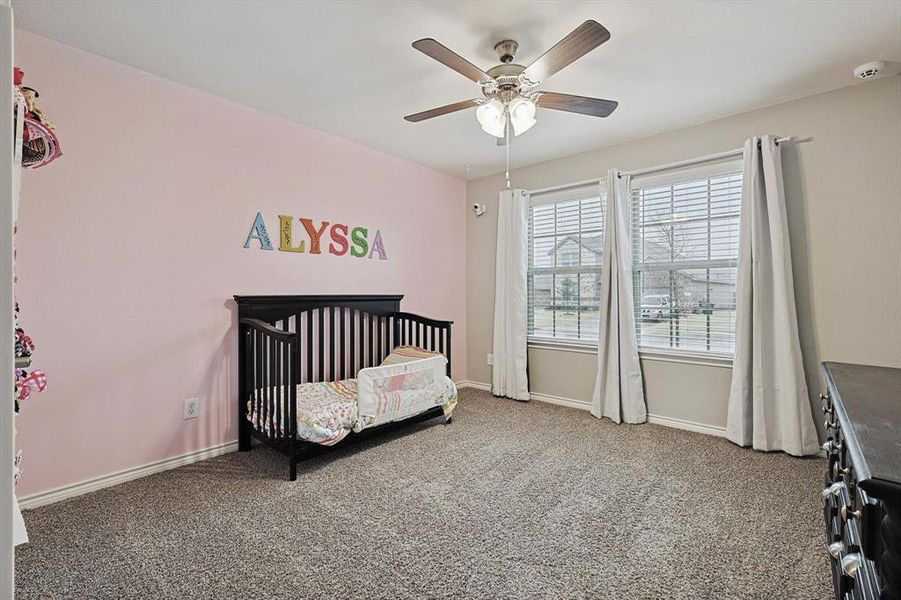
x=192 y=408
x=490 y=359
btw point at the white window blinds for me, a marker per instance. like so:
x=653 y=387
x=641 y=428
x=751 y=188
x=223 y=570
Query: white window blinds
x=685 y=252
x=566 y=240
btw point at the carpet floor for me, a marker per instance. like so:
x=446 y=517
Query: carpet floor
x=509 y=501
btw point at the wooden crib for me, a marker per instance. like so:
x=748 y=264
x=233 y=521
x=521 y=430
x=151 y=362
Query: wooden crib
x=284 y=341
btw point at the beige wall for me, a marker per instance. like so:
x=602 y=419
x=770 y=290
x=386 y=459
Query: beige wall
x=843 y=189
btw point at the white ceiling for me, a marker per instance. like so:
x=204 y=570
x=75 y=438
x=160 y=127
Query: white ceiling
x=348 y=68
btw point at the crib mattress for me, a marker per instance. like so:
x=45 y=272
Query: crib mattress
x=327 y=411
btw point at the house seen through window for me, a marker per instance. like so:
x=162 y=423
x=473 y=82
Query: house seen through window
x=685 y=253
x=565 y=245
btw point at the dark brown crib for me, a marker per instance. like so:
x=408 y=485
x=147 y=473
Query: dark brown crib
x=287 y=340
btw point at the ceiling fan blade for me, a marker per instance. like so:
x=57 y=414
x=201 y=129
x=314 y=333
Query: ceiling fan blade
x=441 y=110
x=596 y=107
x=585 y=38
x=451 y=59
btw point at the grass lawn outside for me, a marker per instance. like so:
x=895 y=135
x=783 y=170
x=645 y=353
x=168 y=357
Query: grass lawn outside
x=695 y=332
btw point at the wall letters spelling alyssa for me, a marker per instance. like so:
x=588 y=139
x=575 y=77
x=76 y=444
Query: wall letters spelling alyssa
x=336 y=238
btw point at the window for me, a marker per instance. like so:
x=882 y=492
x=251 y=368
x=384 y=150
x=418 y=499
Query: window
x=566 y=238
x=685 y=252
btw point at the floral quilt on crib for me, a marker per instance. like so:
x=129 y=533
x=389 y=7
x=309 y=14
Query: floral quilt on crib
x=327 y=411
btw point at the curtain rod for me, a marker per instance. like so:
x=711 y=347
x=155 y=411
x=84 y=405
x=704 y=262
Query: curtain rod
x=694 y=161
x=682 y=163
x=566 y=186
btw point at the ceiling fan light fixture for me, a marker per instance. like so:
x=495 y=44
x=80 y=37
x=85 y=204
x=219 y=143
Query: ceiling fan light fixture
x=492 y=118
x=522 y=114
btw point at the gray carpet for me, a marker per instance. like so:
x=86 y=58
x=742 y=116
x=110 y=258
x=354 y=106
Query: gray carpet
x=510 y=501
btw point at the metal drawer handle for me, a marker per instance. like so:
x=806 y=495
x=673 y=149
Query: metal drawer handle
x=844 y=473
x=849 y=514
x=836 y=549
x=831 y=445
x=851 y=564
x=833 y=490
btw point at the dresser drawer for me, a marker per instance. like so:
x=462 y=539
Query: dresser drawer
x=861 y=410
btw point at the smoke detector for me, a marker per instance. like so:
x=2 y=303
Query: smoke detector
x=869 y=70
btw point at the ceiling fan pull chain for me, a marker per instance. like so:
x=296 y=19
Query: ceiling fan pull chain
x=507 y=149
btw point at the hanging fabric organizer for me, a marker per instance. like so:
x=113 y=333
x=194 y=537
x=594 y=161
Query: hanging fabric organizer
x=35 y=145
x=38 y=143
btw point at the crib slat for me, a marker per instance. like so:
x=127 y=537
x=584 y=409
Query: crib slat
x=291 y=427
x=378 y=344
x=343 y=342
x=256 y=378
x=283 y=380
x=262 y=361
x=258 y=368
x=270 y=389
x=273 y=370
x=361 y=344
x=369 y=360
x=286 y=383
x=263 y=380
x=331 y=343
x=277 y=387
x=252 y=373
x=270 y=366
x=448 y=355
x=392 y=320
x=352 y=355
x=286 y=377
x=309 y=376
x=248 y=374
x=321 y=350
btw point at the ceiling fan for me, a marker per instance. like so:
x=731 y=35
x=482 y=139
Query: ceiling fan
x=509 y=89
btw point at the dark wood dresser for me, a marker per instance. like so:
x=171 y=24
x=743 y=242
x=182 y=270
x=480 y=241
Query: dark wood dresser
x=862 y=498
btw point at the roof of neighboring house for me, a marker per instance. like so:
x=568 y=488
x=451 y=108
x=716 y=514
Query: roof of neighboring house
x=591 y=243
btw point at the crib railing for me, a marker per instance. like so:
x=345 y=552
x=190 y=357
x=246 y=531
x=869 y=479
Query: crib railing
x=426 y=333
x=268 y=383
x=335 y=342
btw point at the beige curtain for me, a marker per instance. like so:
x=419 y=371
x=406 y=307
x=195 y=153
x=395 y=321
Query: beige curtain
x=509 y=375
x=618 y=390
x=769 y=407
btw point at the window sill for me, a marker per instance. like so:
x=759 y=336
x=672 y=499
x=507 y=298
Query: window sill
x=580 y=347
x=657 y=355
x=686 y=357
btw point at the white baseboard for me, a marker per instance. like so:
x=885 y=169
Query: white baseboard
x=561 y=401
x=583 y=405
x=97 y=483
x=687 y=425
x=474 y=384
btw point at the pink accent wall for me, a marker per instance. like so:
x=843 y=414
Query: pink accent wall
x=131 y=246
